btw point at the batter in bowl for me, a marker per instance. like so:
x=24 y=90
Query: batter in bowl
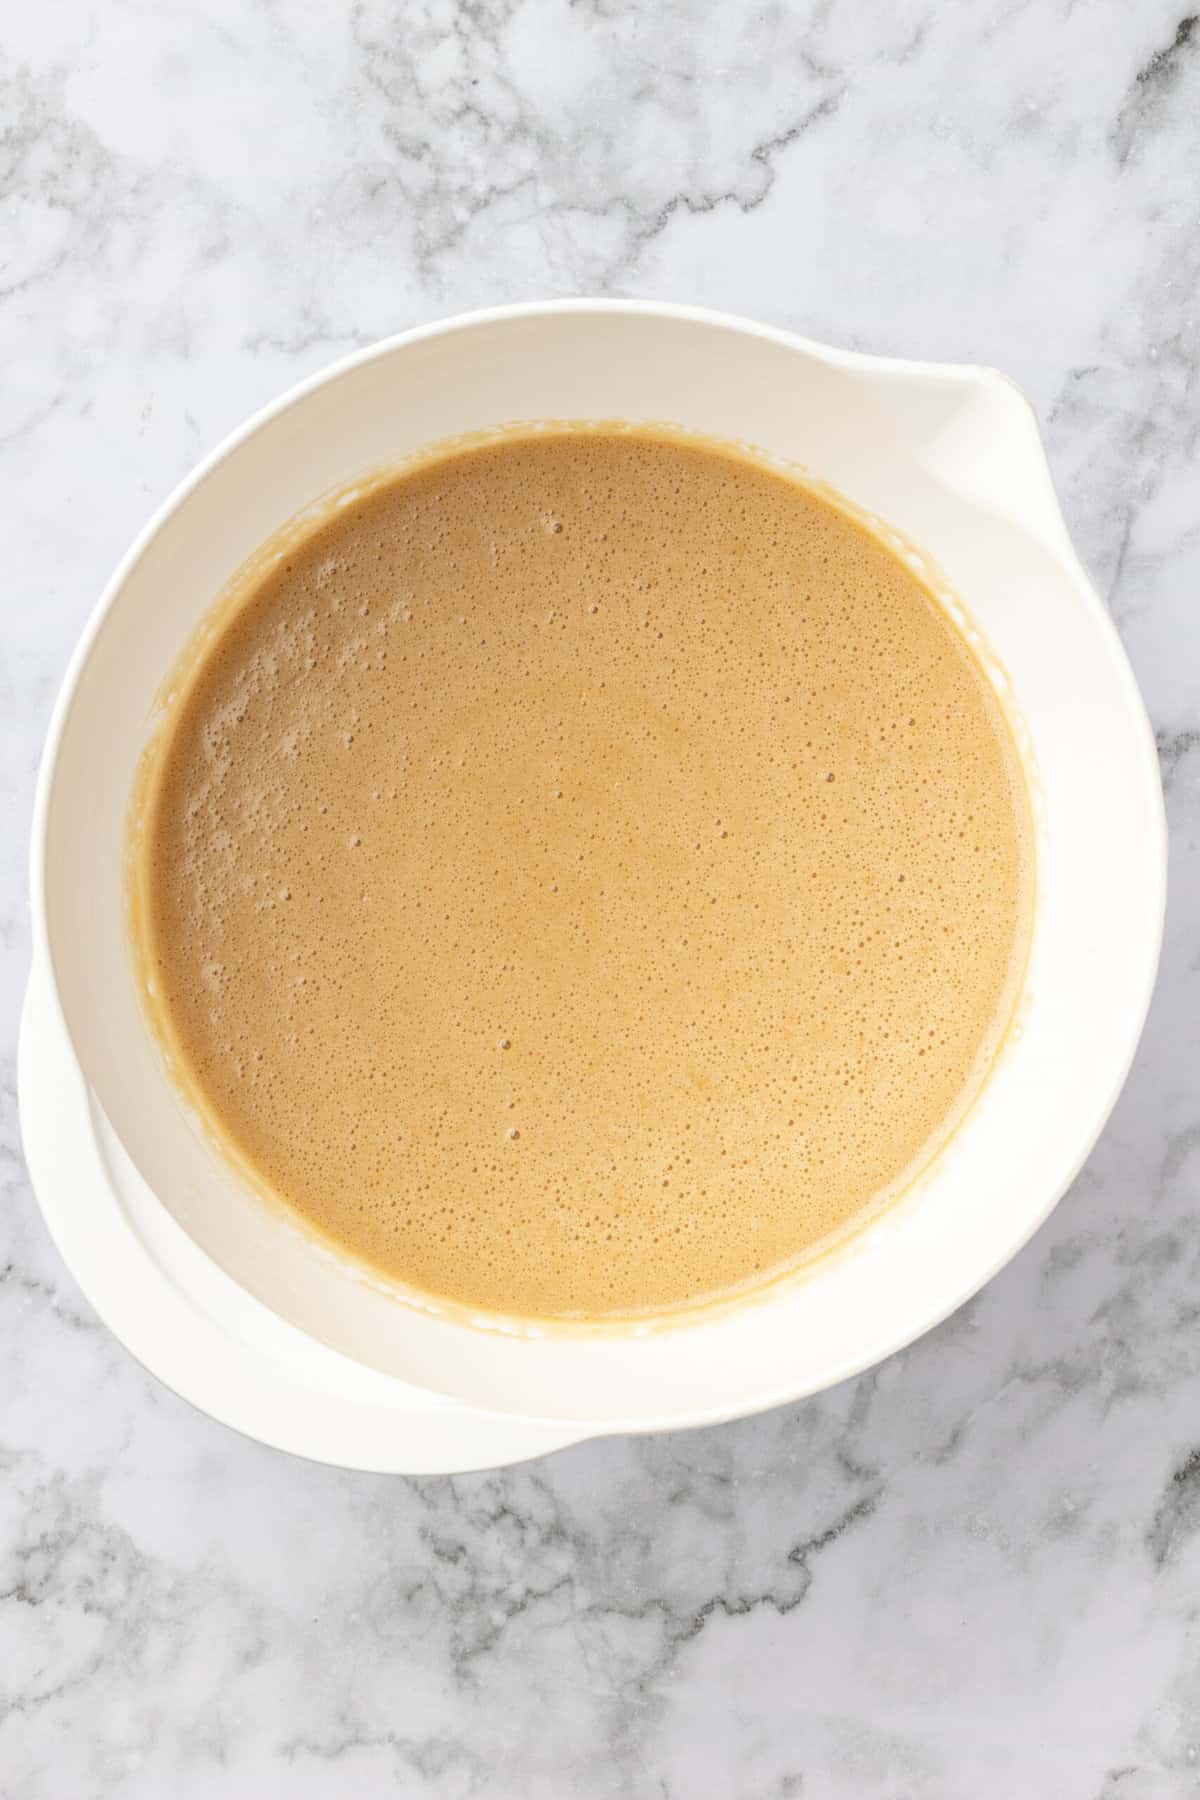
x=584 y=875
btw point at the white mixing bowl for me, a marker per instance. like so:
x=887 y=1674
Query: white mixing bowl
x=950 y=457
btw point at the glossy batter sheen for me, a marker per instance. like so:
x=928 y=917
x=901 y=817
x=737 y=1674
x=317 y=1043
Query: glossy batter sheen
x=583 y=874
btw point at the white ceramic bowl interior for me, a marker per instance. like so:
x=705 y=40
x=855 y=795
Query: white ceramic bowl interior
x=951 y=457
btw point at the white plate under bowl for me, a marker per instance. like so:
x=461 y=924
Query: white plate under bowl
x=201 y=1334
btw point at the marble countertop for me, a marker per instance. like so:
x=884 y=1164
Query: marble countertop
x=972 y=1573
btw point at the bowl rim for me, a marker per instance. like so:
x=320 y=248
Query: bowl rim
x=941 y=373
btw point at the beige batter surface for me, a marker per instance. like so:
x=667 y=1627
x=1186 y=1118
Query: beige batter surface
x=584 y=874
